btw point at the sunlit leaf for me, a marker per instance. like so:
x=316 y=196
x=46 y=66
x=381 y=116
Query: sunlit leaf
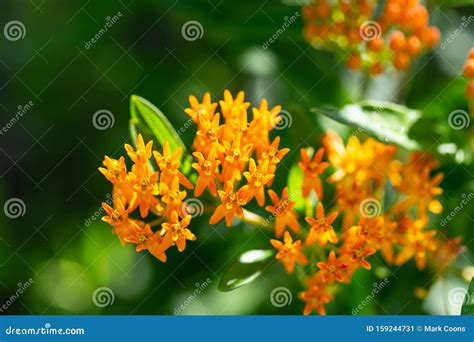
x=295 y=185
x=385 y=121
x=148 y=120
x=246 y=269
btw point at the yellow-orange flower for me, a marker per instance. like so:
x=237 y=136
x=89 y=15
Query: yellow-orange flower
x=289 y=252
x=315 y=297
x=231 y=203
x=282 y=211
x=321 y=229
x=333 y=269
x=417 y=243
x=312 y=168
x=208 y=172
x=177 y=231
x=257 y=178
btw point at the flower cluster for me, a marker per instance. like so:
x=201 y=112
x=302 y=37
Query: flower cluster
x=362 y=174
x=236 y=159
x=469 y=75
x=397 y=35
x=144 y=191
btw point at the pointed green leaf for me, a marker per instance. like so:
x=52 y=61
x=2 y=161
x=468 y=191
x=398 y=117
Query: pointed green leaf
x=468 y=306
x=246 y=269
x=388 y=122
x=148 y=120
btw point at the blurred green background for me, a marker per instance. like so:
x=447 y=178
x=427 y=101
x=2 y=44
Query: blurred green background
x=49 y=157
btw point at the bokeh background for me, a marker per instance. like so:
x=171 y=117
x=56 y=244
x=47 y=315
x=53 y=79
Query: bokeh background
x=49 y=156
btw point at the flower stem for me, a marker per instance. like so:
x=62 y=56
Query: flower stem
x=257 y=220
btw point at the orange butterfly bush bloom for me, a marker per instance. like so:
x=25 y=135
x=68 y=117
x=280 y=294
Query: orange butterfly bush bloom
x=321 y=229
x=235 y=159
x=289 y=252
x=333 y=269
x=149 y=191
x=315 y=297
x=177 y=231
x=231 y=203
x=417 y=243
x=282 y=210
x=312 y=168
x=257 y=178
x=368 y=39
x=236 y=162
x=207 y=170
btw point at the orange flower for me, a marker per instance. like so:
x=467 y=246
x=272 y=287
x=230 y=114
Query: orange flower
x=177 y=231
x=115 y=170
x=333 y=269
x=417 y=243
x=230 y=206
x=421 y=191
x=115 y=216
x=357 y=252
x=142 y=154
x=207 y=170
x=315 y=297
x=204 y=109
x=321 y=229
x=283 y=213
x=289 y=252
x=144 y=190
x=312 y=168
x=257 y=178
x=235 y=159
x=169 y=164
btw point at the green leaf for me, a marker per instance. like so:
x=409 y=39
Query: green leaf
x=388 y=122
x=153 y=125
x=295 y=186
x=246 y=269
x=452 y=3
x=468 y=307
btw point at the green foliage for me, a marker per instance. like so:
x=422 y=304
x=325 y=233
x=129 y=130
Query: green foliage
x=246 y=269
x=468 y=307
x=389 y=122
x=148 y=120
